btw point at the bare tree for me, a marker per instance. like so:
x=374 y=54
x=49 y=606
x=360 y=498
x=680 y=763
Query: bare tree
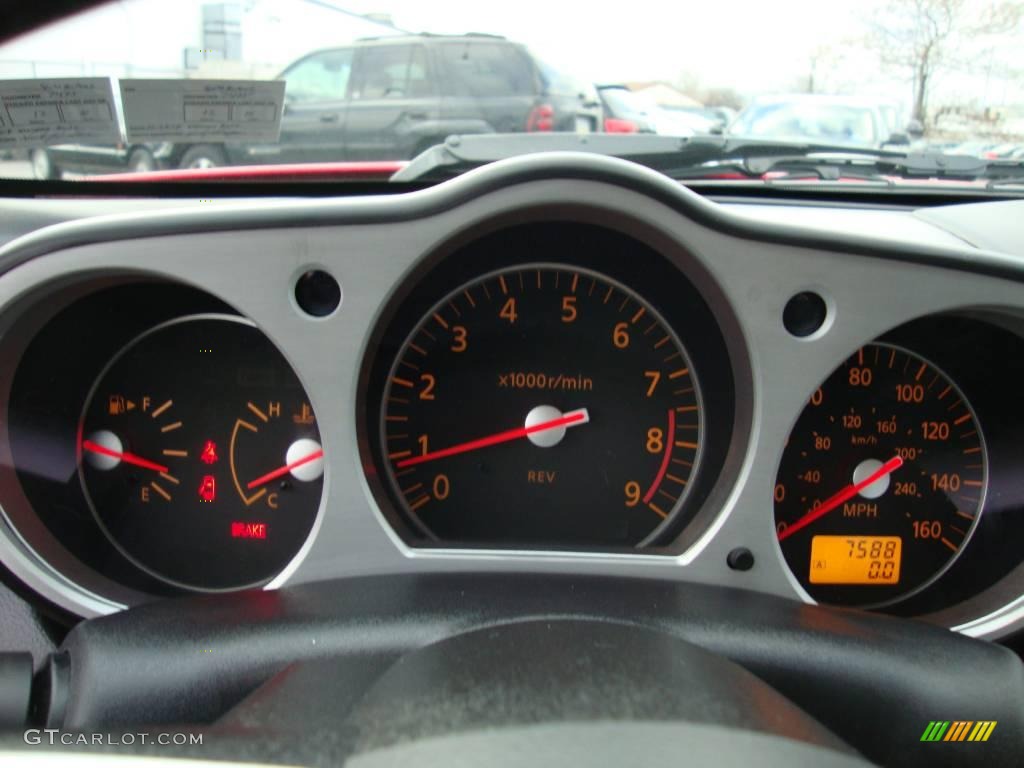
x=923 y=37
x=821 y=63
x=688 y=82
x=721 y=97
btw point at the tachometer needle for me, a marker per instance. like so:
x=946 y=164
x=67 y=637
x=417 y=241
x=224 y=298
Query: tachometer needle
x=127 y=458
x=843 y=496
x=285 y=469
x=570 y=419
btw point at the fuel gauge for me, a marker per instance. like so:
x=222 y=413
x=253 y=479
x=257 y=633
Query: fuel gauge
x=188 y=485
x=149 y=430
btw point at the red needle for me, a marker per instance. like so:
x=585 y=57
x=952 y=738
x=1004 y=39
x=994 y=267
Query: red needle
x=844 y=495
x=573 y=417
x=285 y=469
x=127 y=458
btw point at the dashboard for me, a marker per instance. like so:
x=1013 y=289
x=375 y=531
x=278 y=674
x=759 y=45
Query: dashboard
x=551 y=365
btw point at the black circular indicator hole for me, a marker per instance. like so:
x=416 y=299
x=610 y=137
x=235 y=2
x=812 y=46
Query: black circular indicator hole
x=317 y=293
x=804 y=314
x=740 y=559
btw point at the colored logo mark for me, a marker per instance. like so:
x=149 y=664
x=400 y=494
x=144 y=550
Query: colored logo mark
x=958 y=730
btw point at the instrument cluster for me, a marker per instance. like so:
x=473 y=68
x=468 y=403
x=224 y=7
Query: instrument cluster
x=509 y=386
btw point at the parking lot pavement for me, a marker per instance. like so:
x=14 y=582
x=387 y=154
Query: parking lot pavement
x=15 y=169
x=22 y=169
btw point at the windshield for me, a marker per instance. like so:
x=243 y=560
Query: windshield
x=837 y=123
x=361 y=86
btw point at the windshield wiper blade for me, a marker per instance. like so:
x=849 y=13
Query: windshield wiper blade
x=710 y=158
x=670 y=155
x=907 y=166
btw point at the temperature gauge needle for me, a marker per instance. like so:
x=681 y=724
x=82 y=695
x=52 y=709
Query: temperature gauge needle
x=127 y=458
x=571 y=419
x=843 y=496
x=273 y=475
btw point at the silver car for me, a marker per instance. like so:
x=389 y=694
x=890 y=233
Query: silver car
x=839 y=120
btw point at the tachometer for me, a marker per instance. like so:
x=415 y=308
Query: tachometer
x=882 y=481
x=541 y=404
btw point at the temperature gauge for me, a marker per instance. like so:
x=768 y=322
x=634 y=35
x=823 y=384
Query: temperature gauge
x=276 y=458
x=185 y=487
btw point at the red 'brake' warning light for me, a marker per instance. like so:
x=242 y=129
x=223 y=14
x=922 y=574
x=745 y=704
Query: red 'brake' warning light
x=248 y=530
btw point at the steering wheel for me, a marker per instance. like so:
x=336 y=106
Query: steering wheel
x=521 y=669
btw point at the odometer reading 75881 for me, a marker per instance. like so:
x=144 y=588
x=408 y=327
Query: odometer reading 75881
x=882 y=481
x=541 y=405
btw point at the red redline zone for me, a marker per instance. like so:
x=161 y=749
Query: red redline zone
x=669 y=443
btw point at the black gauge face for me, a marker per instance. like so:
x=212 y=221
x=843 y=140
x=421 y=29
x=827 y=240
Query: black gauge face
x=882 y=481
x=200 y=455
x=541 y=404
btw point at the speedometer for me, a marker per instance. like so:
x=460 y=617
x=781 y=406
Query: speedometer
x=882 y=481
x=541 y=404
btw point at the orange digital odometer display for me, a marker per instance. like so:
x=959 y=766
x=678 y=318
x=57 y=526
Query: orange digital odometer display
x=865 y=560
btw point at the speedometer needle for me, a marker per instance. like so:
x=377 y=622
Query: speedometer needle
x=843 y=496
x=570 y=419
x=127 y=458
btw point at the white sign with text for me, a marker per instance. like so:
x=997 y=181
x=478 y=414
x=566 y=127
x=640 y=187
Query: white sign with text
x=202 y=110
x=47 y=111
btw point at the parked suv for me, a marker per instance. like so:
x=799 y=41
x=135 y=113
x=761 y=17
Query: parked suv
x=382 y=99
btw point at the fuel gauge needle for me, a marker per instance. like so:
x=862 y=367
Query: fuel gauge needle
x=841 y=497
x=127 y=458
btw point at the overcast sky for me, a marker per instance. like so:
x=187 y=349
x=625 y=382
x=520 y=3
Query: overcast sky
x=753 y=46
x=763 y=41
